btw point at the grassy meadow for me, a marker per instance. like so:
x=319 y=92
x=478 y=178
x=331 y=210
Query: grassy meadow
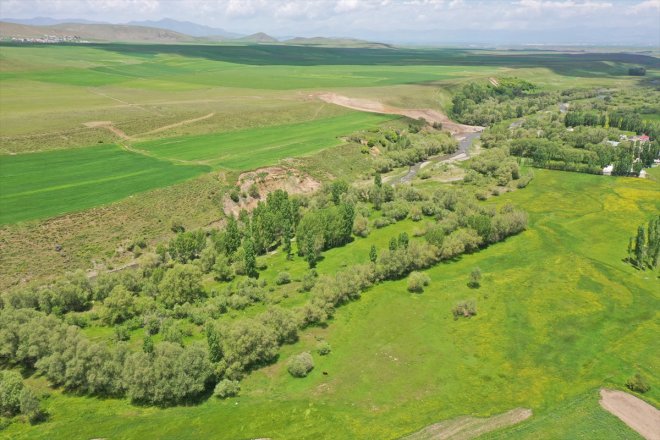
x=559 y=315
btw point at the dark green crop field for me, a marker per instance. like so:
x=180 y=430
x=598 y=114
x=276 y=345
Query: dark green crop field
x=40 y=185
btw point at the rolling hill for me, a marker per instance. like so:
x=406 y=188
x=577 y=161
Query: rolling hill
x=95 y=32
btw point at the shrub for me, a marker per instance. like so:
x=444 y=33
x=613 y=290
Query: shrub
x=301 y=364
x=381 y=222
x=637 y=384
x=253 y=191
x=283 y=278
x=475 y=278
x=415 y=213
x=235 y=195
x=323 y=348
x=482 y=194
x=361 y=226
x=308 y=281
x=465 y=309
x=177 y=227
x=227 y=388
x=417 y=281
x=122 y=333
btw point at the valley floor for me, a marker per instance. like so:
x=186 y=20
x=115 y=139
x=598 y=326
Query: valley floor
x=560 y=315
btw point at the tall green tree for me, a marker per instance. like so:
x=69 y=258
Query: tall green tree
x=640 y=248
x=250 y=258
x=373 y=254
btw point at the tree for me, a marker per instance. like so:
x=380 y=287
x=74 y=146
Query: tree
x=246 y=344
x=232 y=237
x=11 y=385
x=148 y=344
x=300 y=365
x=373 y=254
x=403 y=240
x=337 y=189
x=640 y=248
x=378 y=180
x=187 y=246
x=119 y=305
x=283 y=322
x=222 y=270
x=30 y=406
x=181 y=284
x=286 y=240
x=312 y=249
x=394 y=244
x=250 y=259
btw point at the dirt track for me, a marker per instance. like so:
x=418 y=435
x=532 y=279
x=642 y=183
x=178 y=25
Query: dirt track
x=108 y=126
x=429 y=115
x=464 y=428
x=178 y=124
x=634 y=412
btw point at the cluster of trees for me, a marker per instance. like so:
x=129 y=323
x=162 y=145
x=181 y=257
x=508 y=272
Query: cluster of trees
x=495 y=164
x=488 y=103
x=627 y=120
x=545 y=140
x=40 y=328
x=324 y=228
x=401 y=148
x=644 y=248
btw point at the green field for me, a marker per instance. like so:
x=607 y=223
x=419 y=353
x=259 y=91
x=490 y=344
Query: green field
x=559 y=315
x=252 y=148
x=40 y=185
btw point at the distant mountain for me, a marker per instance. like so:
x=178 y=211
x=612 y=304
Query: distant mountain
x=95 y=32
x=47 y=21
x=259 y=37
x=336 y=42
x=186 y=27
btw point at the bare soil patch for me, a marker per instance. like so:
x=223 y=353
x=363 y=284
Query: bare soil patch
x=267 y=180
x=634 y=412
x=463 y=428
x=429 y=115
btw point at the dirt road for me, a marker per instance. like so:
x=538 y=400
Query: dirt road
x=429 y=115
x=634 y=412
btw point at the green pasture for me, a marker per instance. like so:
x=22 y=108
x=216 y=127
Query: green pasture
x=559 y=315
x=47 y=184
x=251 y=148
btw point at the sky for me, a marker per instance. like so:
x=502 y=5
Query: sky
x=601 y=22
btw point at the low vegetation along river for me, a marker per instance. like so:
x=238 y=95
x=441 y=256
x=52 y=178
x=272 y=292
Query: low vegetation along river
x=464 y=143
